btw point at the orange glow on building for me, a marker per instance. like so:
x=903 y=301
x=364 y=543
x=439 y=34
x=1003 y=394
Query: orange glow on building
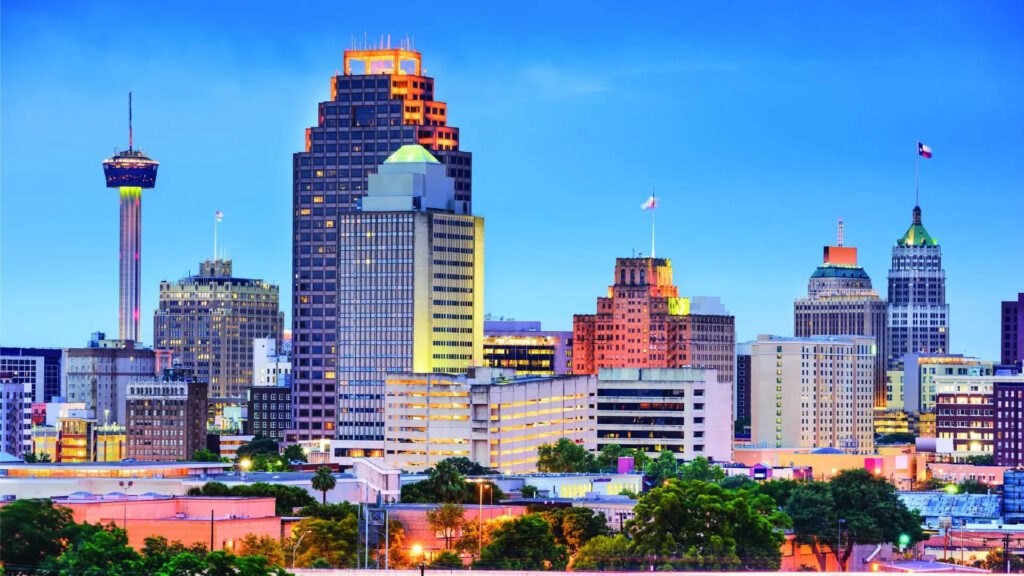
x=643 y=323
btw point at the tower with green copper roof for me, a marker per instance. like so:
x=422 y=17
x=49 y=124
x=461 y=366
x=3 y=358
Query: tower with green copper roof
x=918 y=315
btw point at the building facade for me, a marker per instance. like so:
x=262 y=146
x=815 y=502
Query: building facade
x=40 y=368
x=381 y=102
x=643 y=323
x=494 y=417
x=526 y=348
x=813 y=392
x=98 y=375
x=1012 y=322
x=913 y=388
x=210 y=320
x=410 y=297
x=271 y=366
x=918 y=315
x=840 y=301
x=14 y=438
x=270 y=410
x=964 y=413
x=166 y=418
x=683 y=410
x=1009 y=423
x=743 y=390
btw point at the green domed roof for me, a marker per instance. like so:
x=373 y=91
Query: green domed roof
x=412 y=153
x=830 y=271
x=916 y=235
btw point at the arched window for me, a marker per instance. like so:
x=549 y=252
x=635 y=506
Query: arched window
x=632 y=277
x=643 y=277
x=622 y=276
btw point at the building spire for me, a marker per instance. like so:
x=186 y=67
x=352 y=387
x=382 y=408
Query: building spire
x=840 y=239
x=917 y=215
x=129 y=121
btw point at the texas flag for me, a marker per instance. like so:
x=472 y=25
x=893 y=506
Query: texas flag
x=924 y=150
x=651 y=204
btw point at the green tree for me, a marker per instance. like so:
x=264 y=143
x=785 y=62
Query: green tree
x=294 y=453
x=320 y=563
x=266 y=546
x=323 y=481
x=471 y=535
x=104 y=551
x=779 y=490
x=447 y=519
x=871 y=511
x=332 y=540
x=608 y=458
x=605 y=553
x=972 y=486
x=183 y=564
x=156 y=552
x=467 y=467
x=665 y=467
x=286 y=498
x=697 y=525
x=33 y=530
x=336 y=511
x=447 y=482
x=523 y=543
x=529 y=491
x=446 y=560
x=981 y=460
x=260 y=444
x=996 y=561
x=37 y=458
x=738 y=483
x=573 y=527
x=565 y=456
x=205 y=455
x=896 y=438
x=701 y=469
x=398 y=557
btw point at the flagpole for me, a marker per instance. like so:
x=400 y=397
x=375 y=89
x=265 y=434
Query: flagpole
x=214 y=237
x=653 y=210
x=917 y=174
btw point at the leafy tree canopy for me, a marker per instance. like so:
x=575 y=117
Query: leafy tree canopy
x=896 y=438
x=573 y=527
x=701 y=469
x=294 y=453
x=260 y=444
x=565 y=456
x=287 y=498
x=523 y=543
x=446 y=560
x=205 y=455
x=871 y=511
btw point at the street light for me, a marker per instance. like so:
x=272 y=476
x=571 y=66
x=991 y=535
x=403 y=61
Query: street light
x=839 y=543
x=296 y=546
x=480 y=519
x=244 y=464
x=963 y=524
x=124 y=488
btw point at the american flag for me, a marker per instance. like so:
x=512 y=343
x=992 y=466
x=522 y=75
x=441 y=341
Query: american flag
x=219 y=215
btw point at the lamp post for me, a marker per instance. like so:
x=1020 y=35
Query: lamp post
x=244 y=464
x=480 y=520
x=963 y=524
x=124 y=488
x=839 y=543
x=296 y=546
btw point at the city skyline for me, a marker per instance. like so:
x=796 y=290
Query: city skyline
x=533 y=136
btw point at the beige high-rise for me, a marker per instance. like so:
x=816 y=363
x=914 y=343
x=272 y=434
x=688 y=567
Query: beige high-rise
x=813 y=392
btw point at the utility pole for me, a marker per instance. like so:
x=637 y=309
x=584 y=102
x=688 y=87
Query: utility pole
x=1006 y=551
x=211 y=530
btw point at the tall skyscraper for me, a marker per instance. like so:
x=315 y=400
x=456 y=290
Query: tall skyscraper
x=918 y=316
x=210 y=320
x=130 y=171
x=643 y=323
x=380 y=103
x=813 y=392
x=409 y=298
x=1012 y=323
x=840 y=301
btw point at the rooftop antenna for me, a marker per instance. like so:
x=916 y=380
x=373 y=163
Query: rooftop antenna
x=129 y=121
x=840 y=231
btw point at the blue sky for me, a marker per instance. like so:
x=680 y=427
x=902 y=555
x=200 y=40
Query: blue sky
x=759 y=123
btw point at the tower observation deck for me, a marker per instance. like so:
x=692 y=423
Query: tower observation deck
x=130 y=171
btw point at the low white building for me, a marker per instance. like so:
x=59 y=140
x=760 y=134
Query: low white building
x=489 y=416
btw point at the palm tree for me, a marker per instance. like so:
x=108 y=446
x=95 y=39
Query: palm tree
x=448 y=483
x=323 y=481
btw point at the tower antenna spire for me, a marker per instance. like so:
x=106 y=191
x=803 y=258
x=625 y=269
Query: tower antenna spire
x=840 y=231
x=129 y=121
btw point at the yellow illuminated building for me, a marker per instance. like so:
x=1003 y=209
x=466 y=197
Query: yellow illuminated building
x=110 y=443
x=490 y=416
